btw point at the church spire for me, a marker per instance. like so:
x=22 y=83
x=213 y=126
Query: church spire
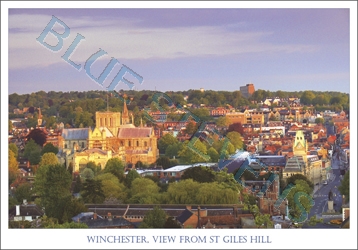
x=39 y=119
x=125 y=116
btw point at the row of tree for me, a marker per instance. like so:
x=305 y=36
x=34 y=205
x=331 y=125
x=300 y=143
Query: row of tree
x=78 y=108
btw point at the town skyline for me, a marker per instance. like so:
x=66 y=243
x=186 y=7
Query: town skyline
x=275 y=49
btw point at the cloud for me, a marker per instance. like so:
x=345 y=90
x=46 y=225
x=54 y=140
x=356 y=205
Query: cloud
x=123 y=39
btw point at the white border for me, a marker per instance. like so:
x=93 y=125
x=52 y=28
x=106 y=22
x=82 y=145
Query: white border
x=282 y=239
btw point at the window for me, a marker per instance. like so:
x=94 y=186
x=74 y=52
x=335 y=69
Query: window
x=129 y=143
x=145 y=144
x=137 y=143
x=83 y=144
x=65 y=145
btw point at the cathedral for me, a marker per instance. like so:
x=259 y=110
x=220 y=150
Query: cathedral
x=113 y=136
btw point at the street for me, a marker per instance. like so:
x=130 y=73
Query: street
x=320 y=196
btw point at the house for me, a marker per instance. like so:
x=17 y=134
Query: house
x=93 y=220
x=25 y=212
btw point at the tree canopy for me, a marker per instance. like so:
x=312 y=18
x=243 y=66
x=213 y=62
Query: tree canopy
x=155 y=218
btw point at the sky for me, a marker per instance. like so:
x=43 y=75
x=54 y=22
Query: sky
x=180 y=46
x=184 y=48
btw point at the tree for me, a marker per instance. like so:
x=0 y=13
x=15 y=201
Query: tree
x=307 y=97
x=49 y=159
x=182 y=192
x=13 y=167
x=49 y=148
x=116 y=167
x=171 y=222
x=319 y=120
x=163 y=161
x=95 y=168
x=199 y=174
x=71 y=224
x=31 y=148
x=111 y=186
x=10 y=126
x=292 y=179
x=166 y=141
x=191 y=127
x=223 y=121
x=139 y=165
x=23 y=192
x=56 y=191
x=197 y=152
x=78 y=185
x=38 y=136
x=237 y=127
x=155 y=218
x=87 y=174
x=344 y=187
x=235 y=139
x=172 y=150
x=130 y=177
x=14 y=149
x=214 y=155
x=144 y=191
x=92 y=191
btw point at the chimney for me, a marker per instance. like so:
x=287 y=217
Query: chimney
x=199 y=220
x=95 y=216
x=109 y=216
x=17 y=210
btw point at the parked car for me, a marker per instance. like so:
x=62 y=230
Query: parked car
x=324 y=182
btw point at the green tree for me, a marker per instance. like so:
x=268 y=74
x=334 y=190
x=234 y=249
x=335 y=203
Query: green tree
x=214 y=155
x=130 y=177
x=87 y=174
x=295 y=177
x=95 y=168
x=155 y=218
x=144 y=191
x=193 y=154
x=49 y=159
x=172 y=150
x=49 y=148
x=163 y=161
x=199 y=174
x=23 y=191
x=307 y=97
x=14 y=149
x=116 y=167
x=92 y=191
x=319 y=120
x=191 y=127
x=171 y=222
x=32 y=152
x=182 y=192
x=68 y=225
x=223 y=121
x=78 y=185
x=111 y=186
x=235 y=139
x=56 y=191
x=344 y=187
x=166 y=141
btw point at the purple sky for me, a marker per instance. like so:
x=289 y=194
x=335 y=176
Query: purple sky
x=181 y=49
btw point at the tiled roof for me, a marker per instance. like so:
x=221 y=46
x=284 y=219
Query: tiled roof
x=108 y=133
x=26 y=210
x=134 y=132
x=75 y=133
x=103 y=223
x=184 y=216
